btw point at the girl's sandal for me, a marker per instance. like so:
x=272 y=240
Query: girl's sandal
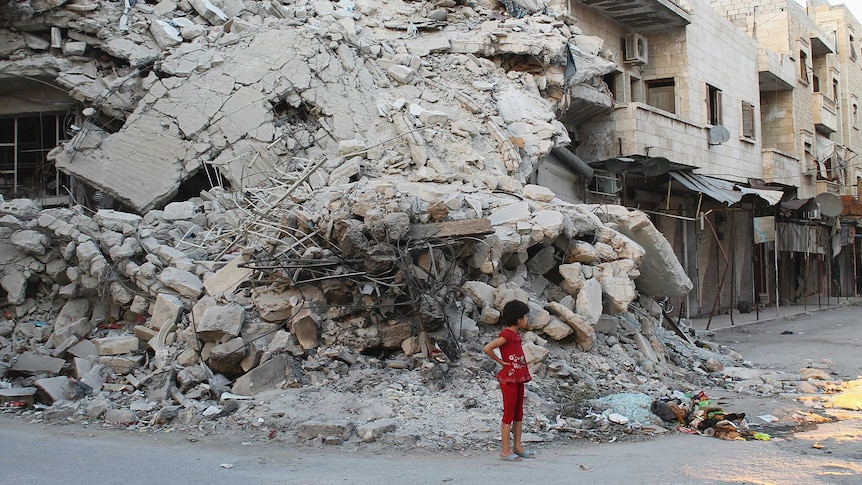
x=526 y=454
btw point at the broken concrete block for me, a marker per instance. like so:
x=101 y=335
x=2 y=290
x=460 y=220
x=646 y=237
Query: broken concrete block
x=166 y=311
x=32 y=242
x=225 y=358
x=144 y=333
x=14 y=282
x=210 y=12
x=372 y=431
x=53 y=389
x=184 y=282
x=74 y=48
x=314 y=429
x=538 y=193
x=120 y=417
x=304 y=326
x=556 y=329
x=518 y=211
x=401 y=74
x=219 y=321
x=84 y=349
x=264 y=376
x=116 y=345
x=394 y=334
x=588 y=303
x=179 y=210
x=122 y=222
x=229 y=277
x=30 y=363
x=165 y=34
x=18 y=394
x=584 y=333
x=190 y=377
x=535 y=353
x=121 y=364
x=274 y=307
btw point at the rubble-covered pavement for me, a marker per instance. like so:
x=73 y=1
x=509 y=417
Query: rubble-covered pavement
x=376 y=217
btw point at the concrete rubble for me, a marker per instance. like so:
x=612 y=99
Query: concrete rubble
x=367 y=217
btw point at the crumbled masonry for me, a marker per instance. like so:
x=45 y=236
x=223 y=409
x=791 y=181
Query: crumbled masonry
x=367 y=216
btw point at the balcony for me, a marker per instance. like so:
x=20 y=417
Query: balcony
x=825 y=114
x=643 y=15
x=779 y=166
x=777 y=71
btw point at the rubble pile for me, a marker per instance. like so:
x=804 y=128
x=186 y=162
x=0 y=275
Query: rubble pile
x=367 y=215
x=213 y=300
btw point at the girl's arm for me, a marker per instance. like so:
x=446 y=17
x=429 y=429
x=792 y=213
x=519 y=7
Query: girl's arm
x=489 y=350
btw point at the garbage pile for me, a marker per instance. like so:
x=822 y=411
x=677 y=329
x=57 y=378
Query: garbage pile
x=696 y=414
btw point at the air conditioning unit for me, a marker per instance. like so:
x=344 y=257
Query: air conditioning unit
x=636 y=49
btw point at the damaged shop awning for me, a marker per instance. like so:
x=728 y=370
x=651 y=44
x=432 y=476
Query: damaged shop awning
x=723 y=190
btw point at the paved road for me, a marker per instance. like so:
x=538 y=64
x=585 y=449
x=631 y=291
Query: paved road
x=72 y=454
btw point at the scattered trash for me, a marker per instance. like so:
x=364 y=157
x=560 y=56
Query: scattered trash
x=226 y=465
x=768 y=418
x=818 y=446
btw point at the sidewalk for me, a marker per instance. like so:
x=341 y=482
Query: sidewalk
x=766 y=314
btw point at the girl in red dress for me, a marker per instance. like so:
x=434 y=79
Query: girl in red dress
x=512 y=377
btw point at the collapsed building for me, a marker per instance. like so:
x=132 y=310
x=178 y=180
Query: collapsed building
x=281 y=195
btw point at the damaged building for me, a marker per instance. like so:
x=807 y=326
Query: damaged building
x=228 y=197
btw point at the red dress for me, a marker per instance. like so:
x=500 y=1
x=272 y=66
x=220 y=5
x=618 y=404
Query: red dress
x=513 y=352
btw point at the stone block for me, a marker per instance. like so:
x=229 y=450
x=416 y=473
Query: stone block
x=120 y=417
x=374 y=430
x=264 y=376
x=167 y=311
x=305 y=328
x=30 y=363
x=183 y=282
x=313 y=429
x=229 y=277
x=121 y=364
x=52 y=389
x=83 y=349
x=117 y=345
x=219 y=321
x=225 y=358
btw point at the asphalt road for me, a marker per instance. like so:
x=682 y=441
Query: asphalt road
x=74 y=454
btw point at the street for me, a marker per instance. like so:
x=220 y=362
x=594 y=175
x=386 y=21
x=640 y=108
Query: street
x=827 y=453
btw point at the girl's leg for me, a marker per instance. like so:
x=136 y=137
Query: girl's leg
x=510 y=401
x=504 y=434
x=518 y=421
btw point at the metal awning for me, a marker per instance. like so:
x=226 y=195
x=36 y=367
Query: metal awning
x=720 y=190
x=724 y=190
x=771 y=196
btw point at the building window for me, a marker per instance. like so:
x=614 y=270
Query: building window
x=835 y=90
x=24 y=143
x=803 y=66
x=854 y=114
x=661 y=94
x=713 y=105
x=852 y=44
x=747 y=119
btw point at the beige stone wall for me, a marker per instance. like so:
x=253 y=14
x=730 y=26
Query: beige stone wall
x=692 y=58
x=839 y=20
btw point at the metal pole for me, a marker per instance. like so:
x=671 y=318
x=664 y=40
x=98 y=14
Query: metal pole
x=775 y=230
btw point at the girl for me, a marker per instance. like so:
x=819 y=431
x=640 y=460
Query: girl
x=512 y=377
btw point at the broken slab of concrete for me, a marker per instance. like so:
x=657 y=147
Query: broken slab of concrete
x=263 y=377
x=34 y=364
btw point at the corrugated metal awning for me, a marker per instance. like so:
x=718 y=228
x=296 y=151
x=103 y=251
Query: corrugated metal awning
x=720 y=190
x=724 y=190
x=771 y=196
